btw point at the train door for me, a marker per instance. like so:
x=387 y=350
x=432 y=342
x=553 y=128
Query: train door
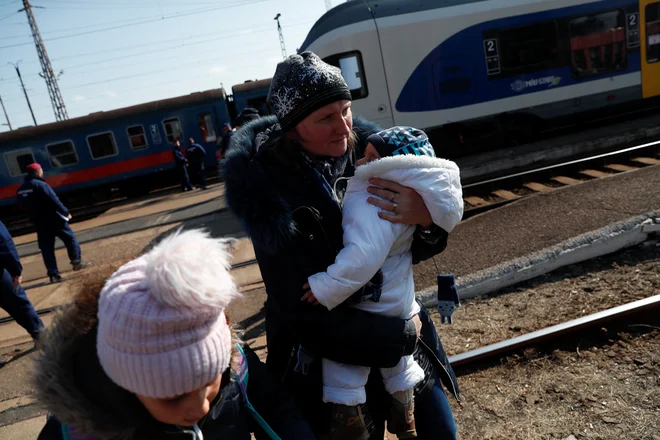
x=650 y=32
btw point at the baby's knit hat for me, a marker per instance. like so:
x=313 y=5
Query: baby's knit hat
x=397 y=141
x=303 y=84
x=162 y=330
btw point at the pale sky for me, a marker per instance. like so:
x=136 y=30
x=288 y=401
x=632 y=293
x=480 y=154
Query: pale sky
x=116 y=53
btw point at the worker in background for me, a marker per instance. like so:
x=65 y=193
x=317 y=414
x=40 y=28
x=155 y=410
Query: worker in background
x=51 y=219
x=181 y=166
x=196 y=155
x=247 y=115
x=12 y=296
x=226 y=137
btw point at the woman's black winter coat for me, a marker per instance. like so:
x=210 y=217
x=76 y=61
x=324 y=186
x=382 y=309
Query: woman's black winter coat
x=288 y=211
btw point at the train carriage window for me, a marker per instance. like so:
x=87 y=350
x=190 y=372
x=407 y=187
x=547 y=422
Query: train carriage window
x=102 y=145
x=352 y=69
x=528 y=46
x=18 y=160
x=137 y=138
x=598 y=43
x=206 y=126
x=62 y=154
x=652 y=13
x=173 y=129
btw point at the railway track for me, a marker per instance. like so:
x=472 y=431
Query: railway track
x=642 y=312
x=495 y=192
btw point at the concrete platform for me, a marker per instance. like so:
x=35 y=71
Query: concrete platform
x=45 y=296
x=144 y=213
x=24 y=430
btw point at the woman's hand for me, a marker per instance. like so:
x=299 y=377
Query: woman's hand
x=309 y=296
x=418 y=325
x=400 y=203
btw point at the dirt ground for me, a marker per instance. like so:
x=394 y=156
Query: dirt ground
x=594 y=389
x=565 y=294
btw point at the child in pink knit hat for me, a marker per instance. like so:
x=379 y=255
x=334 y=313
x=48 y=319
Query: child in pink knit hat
x=152 y=356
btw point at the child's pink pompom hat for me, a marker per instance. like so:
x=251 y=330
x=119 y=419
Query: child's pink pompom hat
x=162 y=330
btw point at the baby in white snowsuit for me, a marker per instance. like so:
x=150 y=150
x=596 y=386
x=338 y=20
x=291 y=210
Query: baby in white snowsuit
x=403 y=155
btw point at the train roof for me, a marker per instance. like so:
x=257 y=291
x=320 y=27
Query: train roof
x=355 y=11
x=251 y=85
x=193 y=98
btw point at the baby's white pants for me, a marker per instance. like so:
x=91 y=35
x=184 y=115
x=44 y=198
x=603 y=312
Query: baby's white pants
x=344 y=384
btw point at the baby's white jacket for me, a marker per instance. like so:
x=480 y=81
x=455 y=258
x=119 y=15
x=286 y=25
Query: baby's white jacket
x=371 y=243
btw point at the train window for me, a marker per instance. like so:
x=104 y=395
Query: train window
x=206 y=126
x=137 y=138
x=18 y=160
x=598 y=43
x=528 y=46
x=102 y=145
x=62 y=154
x=652 y=13
x=173 y=130
x=352 y=69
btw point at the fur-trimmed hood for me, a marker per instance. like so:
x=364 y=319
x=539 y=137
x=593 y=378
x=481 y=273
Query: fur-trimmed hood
x=257 y=177
x=71 y=384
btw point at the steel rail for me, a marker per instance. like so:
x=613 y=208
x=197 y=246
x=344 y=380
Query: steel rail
x=557 y=332
x=486 y=185
x=563 y=164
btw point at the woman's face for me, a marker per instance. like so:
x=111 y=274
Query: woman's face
x=186 y=409
x=325 y=132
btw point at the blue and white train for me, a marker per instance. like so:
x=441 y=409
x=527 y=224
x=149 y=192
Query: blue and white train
x=461 y=65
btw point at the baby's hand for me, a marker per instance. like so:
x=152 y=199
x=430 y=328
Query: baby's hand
x=309 y=296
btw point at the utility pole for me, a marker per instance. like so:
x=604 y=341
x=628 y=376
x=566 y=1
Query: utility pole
x=328 y=5
x=279 y=30
x=5 y=111
x=46 y=69
x=24 y=91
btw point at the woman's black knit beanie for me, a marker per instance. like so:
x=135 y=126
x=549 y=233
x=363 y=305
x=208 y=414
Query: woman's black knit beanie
x=303 y=84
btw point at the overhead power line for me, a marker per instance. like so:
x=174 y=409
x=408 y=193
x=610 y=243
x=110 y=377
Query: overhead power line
x=152 y=20
x=203 y=40
x=151 y=72
x=7 y=16
x=151 y=86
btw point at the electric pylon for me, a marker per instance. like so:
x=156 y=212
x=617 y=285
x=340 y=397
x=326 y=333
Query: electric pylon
x=47 y=70
x=279 y=29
